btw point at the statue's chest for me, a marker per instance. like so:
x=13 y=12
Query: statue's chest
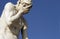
x=16 y=27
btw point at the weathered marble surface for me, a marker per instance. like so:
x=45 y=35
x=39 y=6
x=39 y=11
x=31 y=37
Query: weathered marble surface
x=12 y=20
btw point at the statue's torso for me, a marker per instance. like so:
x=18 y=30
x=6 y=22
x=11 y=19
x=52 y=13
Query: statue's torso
x=5 y=32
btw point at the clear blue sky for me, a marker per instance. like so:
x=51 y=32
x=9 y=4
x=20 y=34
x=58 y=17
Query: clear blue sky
x=43 y=19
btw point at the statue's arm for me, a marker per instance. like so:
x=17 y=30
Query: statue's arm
x=24 y=30
x=9 y=17
x=12 y=18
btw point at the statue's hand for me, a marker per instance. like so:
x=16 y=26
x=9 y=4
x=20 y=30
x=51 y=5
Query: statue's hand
x=26 y=8
x=23 y=9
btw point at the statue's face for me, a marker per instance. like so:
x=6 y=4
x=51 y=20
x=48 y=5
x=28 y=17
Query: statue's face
x=28 y=8
x=24 y=4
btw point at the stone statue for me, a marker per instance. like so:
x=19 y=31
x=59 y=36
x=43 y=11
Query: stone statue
x=12 y=20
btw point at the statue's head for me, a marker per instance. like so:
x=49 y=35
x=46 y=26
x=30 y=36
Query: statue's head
x=23 y=4
x=26 y=3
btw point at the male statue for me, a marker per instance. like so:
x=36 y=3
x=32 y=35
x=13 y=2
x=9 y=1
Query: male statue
x=12 y=21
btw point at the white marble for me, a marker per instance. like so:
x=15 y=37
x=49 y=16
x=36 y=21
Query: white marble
x=12 y=20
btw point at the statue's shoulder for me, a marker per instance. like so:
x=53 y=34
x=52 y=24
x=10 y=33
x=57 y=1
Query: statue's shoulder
x=9 y=4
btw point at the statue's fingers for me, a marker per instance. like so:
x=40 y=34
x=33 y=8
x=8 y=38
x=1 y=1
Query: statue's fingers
x=27 y=7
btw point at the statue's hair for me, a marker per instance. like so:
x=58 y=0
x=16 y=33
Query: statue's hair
x=26 y=1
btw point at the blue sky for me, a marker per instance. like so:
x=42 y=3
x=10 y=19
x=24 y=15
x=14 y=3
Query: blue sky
x=43 y=19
